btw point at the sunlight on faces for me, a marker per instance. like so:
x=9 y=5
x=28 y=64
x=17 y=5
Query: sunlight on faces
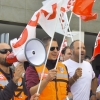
x=54 y=53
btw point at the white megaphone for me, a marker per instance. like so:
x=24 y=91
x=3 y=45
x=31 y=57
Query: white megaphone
x=34 y=52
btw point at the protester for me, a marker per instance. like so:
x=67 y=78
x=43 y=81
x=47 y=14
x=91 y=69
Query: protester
x=81 y=73
x=98 y=88
x=10 y=85
x=66 y=53
x=55 y=81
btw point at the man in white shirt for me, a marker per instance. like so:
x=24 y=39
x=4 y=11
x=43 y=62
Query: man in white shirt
x=80 y=74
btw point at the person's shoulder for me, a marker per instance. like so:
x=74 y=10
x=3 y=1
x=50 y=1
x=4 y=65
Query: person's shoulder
x=66 y=61
x=87 y=63
x=30 y=69
x=61 y=63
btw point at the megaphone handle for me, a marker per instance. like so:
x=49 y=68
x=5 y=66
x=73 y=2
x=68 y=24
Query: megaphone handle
x=15 y=64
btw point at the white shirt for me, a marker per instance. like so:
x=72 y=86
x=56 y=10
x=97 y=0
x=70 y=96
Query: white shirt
x=81 y=88
x=98 y=89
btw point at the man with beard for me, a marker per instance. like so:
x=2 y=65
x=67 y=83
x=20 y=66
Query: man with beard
x=10 y=85
x=81 y=73
x=54 y=84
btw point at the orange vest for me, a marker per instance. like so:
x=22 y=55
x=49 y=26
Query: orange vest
x=56 y=89
x=19 y=94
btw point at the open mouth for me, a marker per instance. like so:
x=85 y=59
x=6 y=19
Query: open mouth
x=82 y=55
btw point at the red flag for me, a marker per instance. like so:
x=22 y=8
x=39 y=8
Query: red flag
x=83 y=7
x=89 y=17
x=97 y=46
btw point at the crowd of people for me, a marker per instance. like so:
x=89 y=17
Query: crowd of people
x=69 y=79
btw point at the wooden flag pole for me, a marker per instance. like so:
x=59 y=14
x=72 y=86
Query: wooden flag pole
x=58 y=14
x=79 y=40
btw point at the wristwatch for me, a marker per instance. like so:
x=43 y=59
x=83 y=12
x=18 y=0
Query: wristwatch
x=93 y=94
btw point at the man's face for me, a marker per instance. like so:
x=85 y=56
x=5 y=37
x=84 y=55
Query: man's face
x=4 y=51
x=67 y=54
x=77 y=50
x=53 y=54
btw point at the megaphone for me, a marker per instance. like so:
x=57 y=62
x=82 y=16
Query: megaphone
x=34 y=52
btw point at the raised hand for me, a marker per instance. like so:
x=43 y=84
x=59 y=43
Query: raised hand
x=78 y=73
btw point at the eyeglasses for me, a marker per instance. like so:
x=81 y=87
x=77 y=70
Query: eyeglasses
x=53 y=48
x=4 y=51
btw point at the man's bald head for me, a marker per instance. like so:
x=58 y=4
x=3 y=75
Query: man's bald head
x=72 y=44
x=78 y=48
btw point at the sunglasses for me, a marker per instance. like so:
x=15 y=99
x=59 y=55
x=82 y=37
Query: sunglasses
x=53 y=48
x=4 y=51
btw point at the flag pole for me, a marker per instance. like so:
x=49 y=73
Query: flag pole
x=62 y=45
x=44 y=66
x=49 y=47
x=65 y=35
x=79 y=40
x=63 y=38
x=69 y=23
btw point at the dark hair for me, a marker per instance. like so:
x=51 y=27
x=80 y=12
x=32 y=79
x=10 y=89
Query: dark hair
x=87 y=57
x=64 y=49
x=72 y=44
x=47 y=39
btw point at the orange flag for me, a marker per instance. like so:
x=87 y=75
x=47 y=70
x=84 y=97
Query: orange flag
x=83 y=7
x=89 y=17
x=97 y=46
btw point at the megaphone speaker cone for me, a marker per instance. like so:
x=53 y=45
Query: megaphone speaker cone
x=35 y=52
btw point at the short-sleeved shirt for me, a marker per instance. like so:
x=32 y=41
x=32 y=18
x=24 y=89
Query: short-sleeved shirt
x=81 y=88
x=32 y=78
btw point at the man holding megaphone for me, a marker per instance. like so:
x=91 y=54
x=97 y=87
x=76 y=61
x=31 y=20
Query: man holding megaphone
x=10 y=85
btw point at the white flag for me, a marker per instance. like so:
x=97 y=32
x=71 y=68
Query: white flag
x=52 y=9
x=29 y=32
x=47 y=16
